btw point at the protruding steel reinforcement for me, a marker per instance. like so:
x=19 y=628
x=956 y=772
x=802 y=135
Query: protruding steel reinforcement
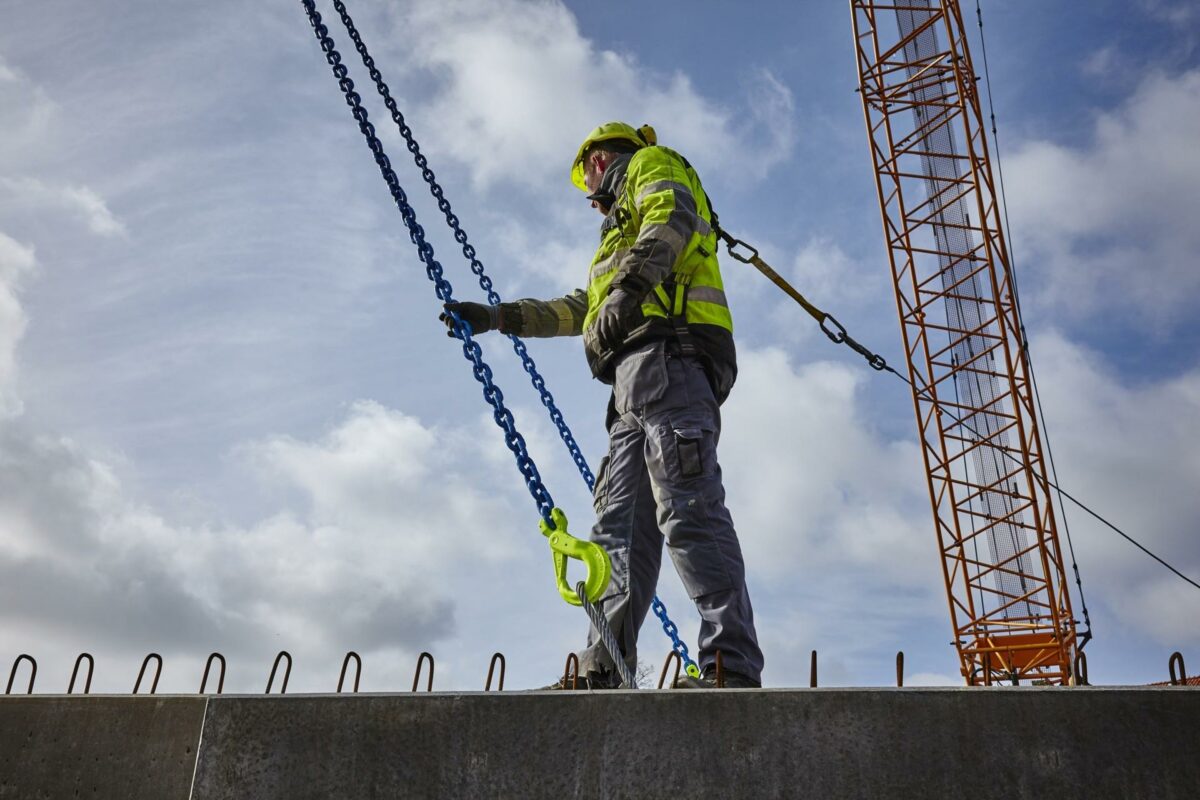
x=142 y=672
x=421 y=659
x=220 y=676
x=900 y=668
x=496 y=657
x=357 y=671
x=1081 y=668
x=13 y=674
x=571 y=671
x=812 y=670
x=87 y=685
x=287 y=673
x=662 y=676
x=1181 y=678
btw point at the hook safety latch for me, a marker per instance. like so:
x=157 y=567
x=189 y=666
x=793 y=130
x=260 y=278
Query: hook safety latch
x=563 y=546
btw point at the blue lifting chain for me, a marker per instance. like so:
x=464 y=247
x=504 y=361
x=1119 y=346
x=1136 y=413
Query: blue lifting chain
x=471 y=350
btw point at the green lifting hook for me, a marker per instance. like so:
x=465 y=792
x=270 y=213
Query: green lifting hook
x=563 y=546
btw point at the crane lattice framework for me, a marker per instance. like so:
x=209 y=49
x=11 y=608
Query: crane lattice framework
x=960 y=321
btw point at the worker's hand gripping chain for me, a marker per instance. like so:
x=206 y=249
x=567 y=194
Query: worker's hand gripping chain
x=563 y=546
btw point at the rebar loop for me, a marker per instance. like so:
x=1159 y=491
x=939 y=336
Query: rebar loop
x=487 y=687
x=1181 y=679
x=13 y=674
x=142 y=672
x=357 y=671
x=87 y=685
x=900 y=668
x=720 y=670
x=1081 y=669
x=421 y=659
x=220 y=676
x=812 y=670
x=571 y=671
x=287 y=673
x=662 y=676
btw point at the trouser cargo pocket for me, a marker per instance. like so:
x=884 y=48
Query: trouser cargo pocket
x=688 y=443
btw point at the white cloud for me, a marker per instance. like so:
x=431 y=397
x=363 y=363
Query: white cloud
x=814 y=481
x=384 y=533
x=519 y=87
x=830 y=277
x=382 y=540
x=80 y=202
x=1175 y=13
x=29 y=116
x=16 y=261
x=1110 y=225
x=1128 y=451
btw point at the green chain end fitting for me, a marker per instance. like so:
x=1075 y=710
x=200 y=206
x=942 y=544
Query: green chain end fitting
x=563 y=546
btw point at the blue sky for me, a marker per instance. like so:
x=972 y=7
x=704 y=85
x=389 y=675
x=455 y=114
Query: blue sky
x=229 y=419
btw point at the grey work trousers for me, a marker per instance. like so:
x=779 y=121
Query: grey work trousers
x=660 y=480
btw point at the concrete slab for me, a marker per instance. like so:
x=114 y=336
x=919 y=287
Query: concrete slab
x=1003 y=743
x=123 y=748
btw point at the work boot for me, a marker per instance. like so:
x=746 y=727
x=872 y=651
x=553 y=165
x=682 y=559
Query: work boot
x=593 y=681
x=708 y=680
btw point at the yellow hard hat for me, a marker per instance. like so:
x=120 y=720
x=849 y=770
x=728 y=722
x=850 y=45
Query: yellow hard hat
x=640 y=137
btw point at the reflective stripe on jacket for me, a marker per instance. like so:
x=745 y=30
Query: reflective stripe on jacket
x=657 y=241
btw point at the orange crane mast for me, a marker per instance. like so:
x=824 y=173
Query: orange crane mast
x=960 y=321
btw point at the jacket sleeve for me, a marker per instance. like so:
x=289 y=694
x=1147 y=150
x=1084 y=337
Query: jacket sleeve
x=666 y=209
x=562 y=316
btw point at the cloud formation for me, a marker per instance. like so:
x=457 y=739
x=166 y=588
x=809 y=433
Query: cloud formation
x=80 y=202
x=518 y=86
x=362 y=556
x=1109 y=226
x=254 y=279
x=16 y=263
x=1128 y=450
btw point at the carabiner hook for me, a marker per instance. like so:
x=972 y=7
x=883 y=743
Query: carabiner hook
x=563 y=546
x=733 y=244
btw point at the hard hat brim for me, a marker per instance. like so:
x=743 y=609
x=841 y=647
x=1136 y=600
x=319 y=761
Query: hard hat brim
x=608 y=132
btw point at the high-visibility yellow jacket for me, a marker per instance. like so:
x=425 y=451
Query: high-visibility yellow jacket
x=657 y=242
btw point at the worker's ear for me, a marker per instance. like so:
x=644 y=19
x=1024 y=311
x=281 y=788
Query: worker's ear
x=599 y=161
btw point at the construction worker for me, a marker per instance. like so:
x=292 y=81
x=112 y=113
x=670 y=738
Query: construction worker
x=656 y=326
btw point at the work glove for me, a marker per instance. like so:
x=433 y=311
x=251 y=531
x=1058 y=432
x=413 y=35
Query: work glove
x=621 y=313
x=480 y=316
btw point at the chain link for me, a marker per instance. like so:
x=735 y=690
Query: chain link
x=460 y=236
x=486 y=284
x=445 y=292
x=830 y=326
